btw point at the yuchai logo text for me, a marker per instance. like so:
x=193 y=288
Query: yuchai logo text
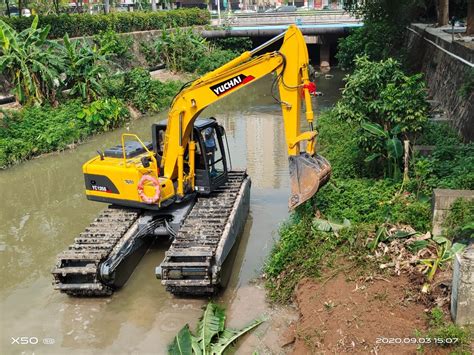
x=231 y=83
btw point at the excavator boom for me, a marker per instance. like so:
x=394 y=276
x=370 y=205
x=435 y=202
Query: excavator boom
x=308 y=172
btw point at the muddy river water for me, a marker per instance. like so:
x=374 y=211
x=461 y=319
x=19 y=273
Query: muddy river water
x=43 y=208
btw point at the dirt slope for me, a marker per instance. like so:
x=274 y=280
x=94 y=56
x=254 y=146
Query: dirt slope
x=348 y=316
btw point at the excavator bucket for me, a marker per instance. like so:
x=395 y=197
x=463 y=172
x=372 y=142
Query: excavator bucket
x=307 y=175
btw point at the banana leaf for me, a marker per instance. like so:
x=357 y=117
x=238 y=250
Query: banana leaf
x=211 y=323
x=375 y=129
x=182 y=343
x=228 y=336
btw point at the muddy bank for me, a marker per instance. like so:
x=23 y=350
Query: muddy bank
x=346 y=315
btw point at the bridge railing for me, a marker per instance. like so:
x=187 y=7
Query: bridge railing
x=274 y=18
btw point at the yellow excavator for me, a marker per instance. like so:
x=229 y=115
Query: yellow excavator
x=180 y=185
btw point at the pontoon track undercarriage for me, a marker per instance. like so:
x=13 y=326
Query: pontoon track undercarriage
x=204 y=230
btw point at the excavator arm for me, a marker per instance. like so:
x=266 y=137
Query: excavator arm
x=307 y=171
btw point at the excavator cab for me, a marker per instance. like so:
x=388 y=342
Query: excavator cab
x=211 y=158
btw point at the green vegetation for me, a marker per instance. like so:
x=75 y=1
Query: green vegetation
x=183 y=50
x=388 y=105
x=445 y=251
x=459 y=223
x=84 y=67
x=212 y=337
x=118 y=46
x=350 y=216
x=467 y=87
x=30 y=61
x=144 y=93
x=459 y=338
x=383 y=33
x=38 y=130
x=450 y=166
x=78 y=25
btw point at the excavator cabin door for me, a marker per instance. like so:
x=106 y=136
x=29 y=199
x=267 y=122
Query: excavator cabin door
x=211 y=157
x=211 y=169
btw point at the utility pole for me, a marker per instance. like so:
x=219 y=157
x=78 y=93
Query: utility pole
x=106 y=6
x=219 y=12
x=8 y=7
x=153 y=5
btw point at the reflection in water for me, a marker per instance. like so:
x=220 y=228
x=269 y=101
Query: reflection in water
x=44 y=208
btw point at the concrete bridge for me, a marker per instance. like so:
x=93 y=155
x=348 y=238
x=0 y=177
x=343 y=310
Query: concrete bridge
x=322 y=29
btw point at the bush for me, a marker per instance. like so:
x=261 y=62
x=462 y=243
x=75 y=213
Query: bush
x=115 y=46
x=38 y=130
x=383 y=33
x=213 y=60
x=372 y=201
x=377 y=41
x=235 y=44
x=181 y=49
x=459 y=222
x=388 y=105
x=79 y=25
x=146 y=94
x=104 y=114
x=450 y=166
x=339 y=145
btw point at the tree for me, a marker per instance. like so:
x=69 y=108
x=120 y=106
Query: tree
x=442 y=9
x=106 y=6
x=153 y=5
x=470 y=17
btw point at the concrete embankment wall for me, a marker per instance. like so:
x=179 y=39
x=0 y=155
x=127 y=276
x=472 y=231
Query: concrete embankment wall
x=445 y=74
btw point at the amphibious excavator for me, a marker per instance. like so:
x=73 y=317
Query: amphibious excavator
x=181 y=186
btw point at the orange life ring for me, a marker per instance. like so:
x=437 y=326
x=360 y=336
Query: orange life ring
x=141 y=185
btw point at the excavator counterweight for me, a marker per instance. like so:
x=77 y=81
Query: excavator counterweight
x=180 y=185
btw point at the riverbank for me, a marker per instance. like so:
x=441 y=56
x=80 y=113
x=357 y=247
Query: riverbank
x=349 y=259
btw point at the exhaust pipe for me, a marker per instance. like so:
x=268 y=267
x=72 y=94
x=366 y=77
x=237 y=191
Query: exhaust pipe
x=307 y=175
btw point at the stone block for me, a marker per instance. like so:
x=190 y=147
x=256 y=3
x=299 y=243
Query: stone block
x=441 y=203
x=424 y=150
x=462 y=295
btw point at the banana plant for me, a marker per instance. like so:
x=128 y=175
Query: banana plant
x=212 y=338
x=85 y=66
x=392 y=145
x=30 y=61
x=445 y=251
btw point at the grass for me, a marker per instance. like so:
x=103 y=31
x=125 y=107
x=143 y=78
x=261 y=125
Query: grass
x=444 y=333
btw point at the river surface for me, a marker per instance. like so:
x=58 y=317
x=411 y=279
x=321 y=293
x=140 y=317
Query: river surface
x=43 y=207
